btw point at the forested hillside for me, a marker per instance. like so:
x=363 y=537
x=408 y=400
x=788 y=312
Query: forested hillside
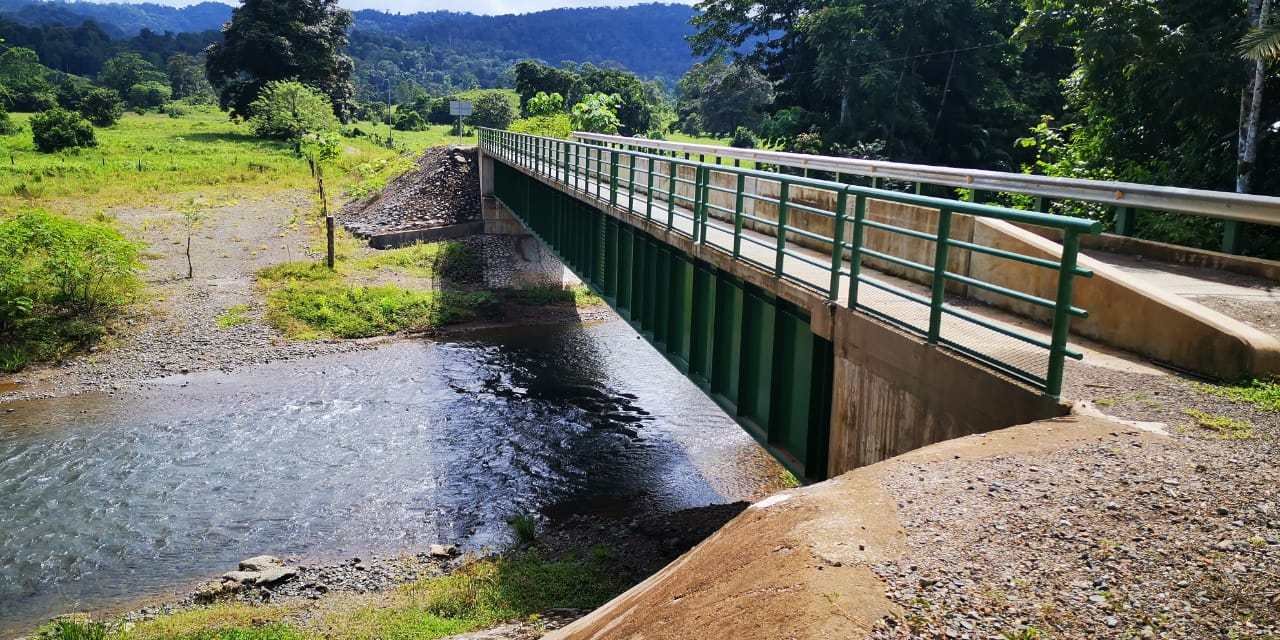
x=438 y=50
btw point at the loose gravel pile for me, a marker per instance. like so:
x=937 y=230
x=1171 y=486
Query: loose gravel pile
x=442 y=190
x=1131 y=537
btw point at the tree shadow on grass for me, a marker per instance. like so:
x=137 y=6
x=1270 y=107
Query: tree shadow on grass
x=233 y=136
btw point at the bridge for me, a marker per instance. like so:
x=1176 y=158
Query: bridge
x=845 y=311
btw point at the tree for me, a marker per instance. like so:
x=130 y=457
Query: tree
x=273 y=40
x=634 y=106
x=101 y=106
x=493 y=110
x=126 y=70
x=936 y=80
x=192 y=216
x=319 y=148
x=148 y=95
x=57 y=129
x=724 y=96
x=186 y=77
x=544 y=104
x=287 y=110
x=532 y=77
x=1251 y=100
x=26 y=83
x=1262 y=43
x=597 y=113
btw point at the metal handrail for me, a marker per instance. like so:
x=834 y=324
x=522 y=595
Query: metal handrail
x=560 y=161
x=1236 y=207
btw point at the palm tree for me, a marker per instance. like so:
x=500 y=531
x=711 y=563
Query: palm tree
x=1262 y=44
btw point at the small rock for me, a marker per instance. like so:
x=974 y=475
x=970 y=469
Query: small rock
x=275 y=574
x=260 y=563
x=242 y=577
x=443 y=550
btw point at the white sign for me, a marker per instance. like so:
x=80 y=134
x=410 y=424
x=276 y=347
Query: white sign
x=459 y=107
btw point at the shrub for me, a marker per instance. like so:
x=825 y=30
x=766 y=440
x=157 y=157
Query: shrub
x=551 y=126
x=743 y=138
x=285 y=110
x=7 y=126
x=493 y=110
x=59 y=281
x=57 y=129
x=544 y=104
x=409 y=121
x=597 y=113
x=175 y=109
x=102 y=107
x=147 y=95
x=72 y=91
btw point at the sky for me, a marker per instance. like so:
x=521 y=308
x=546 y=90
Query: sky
x=489 y=7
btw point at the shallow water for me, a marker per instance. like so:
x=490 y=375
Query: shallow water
x=107 y=499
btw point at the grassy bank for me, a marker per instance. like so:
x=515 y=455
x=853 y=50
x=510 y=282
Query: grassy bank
x=480 y=594
x=156 y=159
x=372 y=293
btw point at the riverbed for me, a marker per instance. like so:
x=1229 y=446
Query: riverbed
x=107 y=499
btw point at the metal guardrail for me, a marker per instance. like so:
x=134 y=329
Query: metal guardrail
x=650 y=184
x=1126 y=197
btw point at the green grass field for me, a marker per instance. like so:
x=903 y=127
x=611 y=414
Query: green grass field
x=155 y=159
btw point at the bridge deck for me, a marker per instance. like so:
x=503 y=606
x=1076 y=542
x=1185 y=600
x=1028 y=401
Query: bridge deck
x=813 y=268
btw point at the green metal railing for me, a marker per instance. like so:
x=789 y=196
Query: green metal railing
x=691 y=197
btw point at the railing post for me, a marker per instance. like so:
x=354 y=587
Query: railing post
x=739 y=202
x=613 y=177
x=1062 y=313
x=1125 y=217
x=648 y=206
x=941 y=245
x=706 y=203
x=631 y=182
x=671 y=193
x=783 y=191
x=855 y=247
x=1231 y=236
x=837 y=245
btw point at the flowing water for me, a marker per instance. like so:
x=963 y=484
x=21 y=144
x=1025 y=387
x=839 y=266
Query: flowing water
x=106 y=499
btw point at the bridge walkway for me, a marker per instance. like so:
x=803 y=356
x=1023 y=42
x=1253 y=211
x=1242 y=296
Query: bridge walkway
x=890 y=298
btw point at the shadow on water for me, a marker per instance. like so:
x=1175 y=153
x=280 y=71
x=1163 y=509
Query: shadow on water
x=108 y=499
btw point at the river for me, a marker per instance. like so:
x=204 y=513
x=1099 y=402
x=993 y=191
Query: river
x=108 y=499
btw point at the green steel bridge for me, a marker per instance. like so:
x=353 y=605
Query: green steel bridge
x=745 y=276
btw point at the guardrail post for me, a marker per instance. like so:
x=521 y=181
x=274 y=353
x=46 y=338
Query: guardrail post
x=939 y=275
x=1043 y=204
x=837 y=245
x=706 y=203
x=648 y=190
x=855 y=247
x=783 y=191
x=671 y=193
x=738 y=203
x=613 y=177
x=1231 y=236
x=1124 y=220
x=1062 y=313
x=631 y=181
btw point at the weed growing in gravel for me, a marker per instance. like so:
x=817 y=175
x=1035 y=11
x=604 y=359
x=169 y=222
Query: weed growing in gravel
x=72 y=630
x=479 y=595
x=1225 y=427
x=1259 y=393
x=579 y=296
x=525 y=528
x=234 y=316
x=1025 y=633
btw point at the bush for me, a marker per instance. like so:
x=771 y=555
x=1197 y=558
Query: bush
x=552 y=126
x=148 y=95
x=743 y=138
x=72 y=92
x=59 y=280
x=57 y=129
x=175 y=109
x=102 y=107
x=544 y=104
x=409 y=121
x=7 y=126
x=597 y=113
x=493 y=110
x=285 y=110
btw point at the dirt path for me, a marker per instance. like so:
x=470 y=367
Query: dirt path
x=175 y=328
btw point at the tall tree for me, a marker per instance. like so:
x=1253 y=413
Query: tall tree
x=186 y=76
x=718 y=97
x=126 y=70
x=1251 y=104
x=936 y=80
x=270 y=40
